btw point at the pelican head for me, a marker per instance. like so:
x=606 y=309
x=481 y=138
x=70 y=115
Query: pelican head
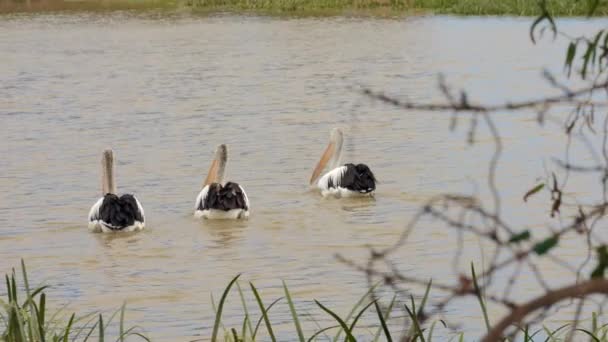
x=108 y=185
x=332 y=153
x=218 y=166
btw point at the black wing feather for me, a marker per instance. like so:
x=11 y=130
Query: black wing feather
x=358 y=178
x=119 y=212
x=227 y=197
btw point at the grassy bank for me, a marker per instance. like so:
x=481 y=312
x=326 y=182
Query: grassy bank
x=319 y=7
x=26 y=317
x=458 y=7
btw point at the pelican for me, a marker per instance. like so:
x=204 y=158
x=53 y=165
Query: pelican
x=348 y=180
x=218 y=200
x=112 y=213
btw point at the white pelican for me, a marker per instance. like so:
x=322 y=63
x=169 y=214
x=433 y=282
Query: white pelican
x=112 y=213
x=342 y=181
x=217 y=201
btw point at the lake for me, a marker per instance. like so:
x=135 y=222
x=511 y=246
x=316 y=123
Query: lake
x=163 y=89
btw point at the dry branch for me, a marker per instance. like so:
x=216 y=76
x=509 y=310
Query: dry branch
x=520 y=312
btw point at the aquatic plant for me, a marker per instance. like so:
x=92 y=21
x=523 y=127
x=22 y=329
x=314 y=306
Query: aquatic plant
x=25 y=317
x=346 y=327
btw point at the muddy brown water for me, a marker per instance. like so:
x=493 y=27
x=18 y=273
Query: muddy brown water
x=163 y=89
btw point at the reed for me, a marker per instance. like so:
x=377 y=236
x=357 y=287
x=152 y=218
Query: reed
x=347 y=325
x=25 y=317
x=342 y=325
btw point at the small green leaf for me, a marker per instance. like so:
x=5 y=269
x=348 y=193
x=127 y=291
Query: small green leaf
x=570 y=57
x=525 y=235
x=534 y=190
x=544 y=246
x=602 y=263
x=595 y=45
x=587 y=59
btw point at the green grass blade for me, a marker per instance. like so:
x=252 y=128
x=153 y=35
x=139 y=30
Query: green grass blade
x=244 y=328
x=425 y=297
x=294 y=314
x=131 y=332
x=32 y=321
x=215 y=313
x=8 y=288
x=257 y=326
x=122 y=321
x=89 y=318
x=264 y=313
x=429 y=336
x=41 y=313
x=349 y=335
x=86 y=338
x=593 y=337
x=387 y=333
x=218 y=314
x=387 y=316
x=480 y=299
x=16 y=328
x=308 y=315
x=527 y=336
x=354 y=322
x=594 y=323
x=68 y=328
x=75 y=331
x=246 y=310
x=101 y=328
x=354 y=309
x=321 y=332
x=414 y=319
x=107 y=324
x=54 y=321
x=14 y=287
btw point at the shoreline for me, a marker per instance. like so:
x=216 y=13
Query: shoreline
x=310 y=8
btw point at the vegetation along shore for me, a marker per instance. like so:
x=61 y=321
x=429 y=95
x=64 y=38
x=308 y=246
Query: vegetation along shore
x=319 y=7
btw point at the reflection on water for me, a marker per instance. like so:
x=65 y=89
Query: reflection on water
x=163 y=91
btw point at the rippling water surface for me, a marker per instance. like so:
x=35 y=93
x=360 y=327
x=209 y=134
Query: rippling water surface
x=163 y=90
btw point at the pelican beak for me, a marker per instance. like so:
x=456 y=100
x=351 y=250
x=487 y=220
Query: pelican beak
x=212 y=175
x=329 y=151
